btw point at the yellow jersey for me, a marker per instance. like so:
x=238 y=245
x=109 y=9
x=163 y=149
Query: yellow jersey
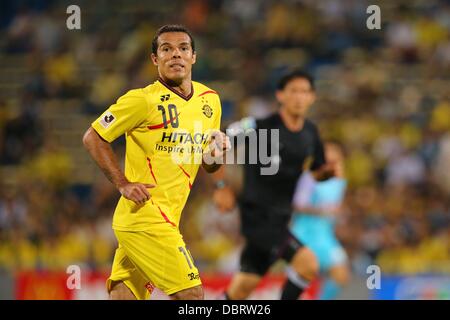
x=166 y=134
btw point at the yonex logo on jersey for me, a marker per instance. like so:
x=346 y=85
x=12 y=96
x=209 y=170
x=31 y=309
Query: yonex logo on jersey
x=165 y=97
x=107 y=119
x=207 y=111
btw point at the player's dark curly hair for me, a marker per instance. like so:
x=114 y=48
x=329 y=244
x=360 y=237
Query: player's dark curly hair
x=294 y=75
x=171 y=28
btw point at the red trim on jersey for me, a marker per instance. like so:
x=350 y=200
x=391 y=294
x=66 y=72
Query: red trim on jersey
x=206 y=92
x=175 y=91
x=151 y=169
x=187 y=175
x=184 y=171
x=161 y=125
x=164 y=215
x=157 y=126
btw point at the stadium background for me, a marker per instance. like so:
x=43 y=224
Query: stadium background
x=383 y=93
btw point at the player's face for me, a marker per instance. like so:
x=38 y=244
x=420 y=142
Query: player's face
x=296 y=97
x=174 y=57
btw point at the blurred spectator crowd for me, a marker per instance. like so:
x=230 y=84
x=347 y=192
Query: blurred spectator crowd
x=384 y=94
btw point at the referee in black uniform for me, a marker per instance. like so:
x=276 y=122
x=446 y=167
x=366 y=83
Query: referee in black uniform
x=265 y=202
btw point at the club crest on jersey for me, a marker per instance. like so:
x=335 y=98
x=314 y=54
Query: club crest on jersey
x=107 y=119
x=207 y=111
x=165 y=97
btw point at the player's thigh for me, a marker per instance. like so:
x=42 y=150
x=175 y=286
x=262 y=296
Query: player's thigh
x=162 y=257
x=119 y=291
x=255 y=260
x=195 y=293
x=242 y=285
x=305 y=263
x=125 y=281
x=300 y=257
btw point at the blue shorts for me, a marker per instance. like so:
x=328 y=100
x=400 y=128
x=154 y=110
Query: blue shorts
x=317 y=233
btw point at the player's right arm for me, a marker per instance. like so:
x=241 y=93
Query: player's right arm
x=320 y=169
x=128 y=113
x=101 y=151
x=223 y=196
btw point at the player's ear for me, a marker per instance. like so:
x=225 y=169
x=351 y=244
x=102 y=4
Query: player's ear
x=279 y=95
x=154 y=59
x=194 y=57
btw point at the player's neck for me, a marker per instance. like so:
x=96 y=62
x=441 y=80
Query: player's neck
x=184 y=87
x=292 y=123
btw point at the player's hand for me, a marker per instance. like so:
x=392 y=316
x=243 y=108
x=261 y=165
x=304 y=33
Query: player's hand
x=224 y=199
x=220 y=144
x=136 y=191
x=326 y=171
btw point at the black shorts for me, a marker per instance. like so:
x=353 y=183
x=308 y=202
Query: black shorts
x=258 y=259
x=267 y=237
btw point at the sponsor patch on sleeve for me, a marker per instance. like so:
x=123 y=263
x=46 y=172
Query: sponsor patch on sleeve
x=107 y=119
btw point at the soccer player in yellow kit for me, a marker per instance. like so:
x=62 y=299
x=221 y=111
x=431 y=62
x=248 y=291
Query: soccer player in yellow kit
x=171 y=127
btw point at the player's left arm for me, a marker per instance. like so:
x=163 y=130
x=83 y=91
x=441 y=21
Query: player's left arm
x=320 y=169
x=301 y=202
x=219 y=144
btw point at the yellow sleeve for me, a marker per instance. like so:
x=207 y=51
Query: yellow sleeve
x=218 y=114
x=215 y=125
x=129 y=112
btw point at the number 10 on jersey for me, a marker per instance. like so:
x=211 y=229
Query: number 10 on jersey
x=173 y=115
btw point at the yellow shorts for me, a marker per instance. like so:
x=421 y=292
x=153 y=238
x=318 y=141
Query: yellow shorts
x=154 y=258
